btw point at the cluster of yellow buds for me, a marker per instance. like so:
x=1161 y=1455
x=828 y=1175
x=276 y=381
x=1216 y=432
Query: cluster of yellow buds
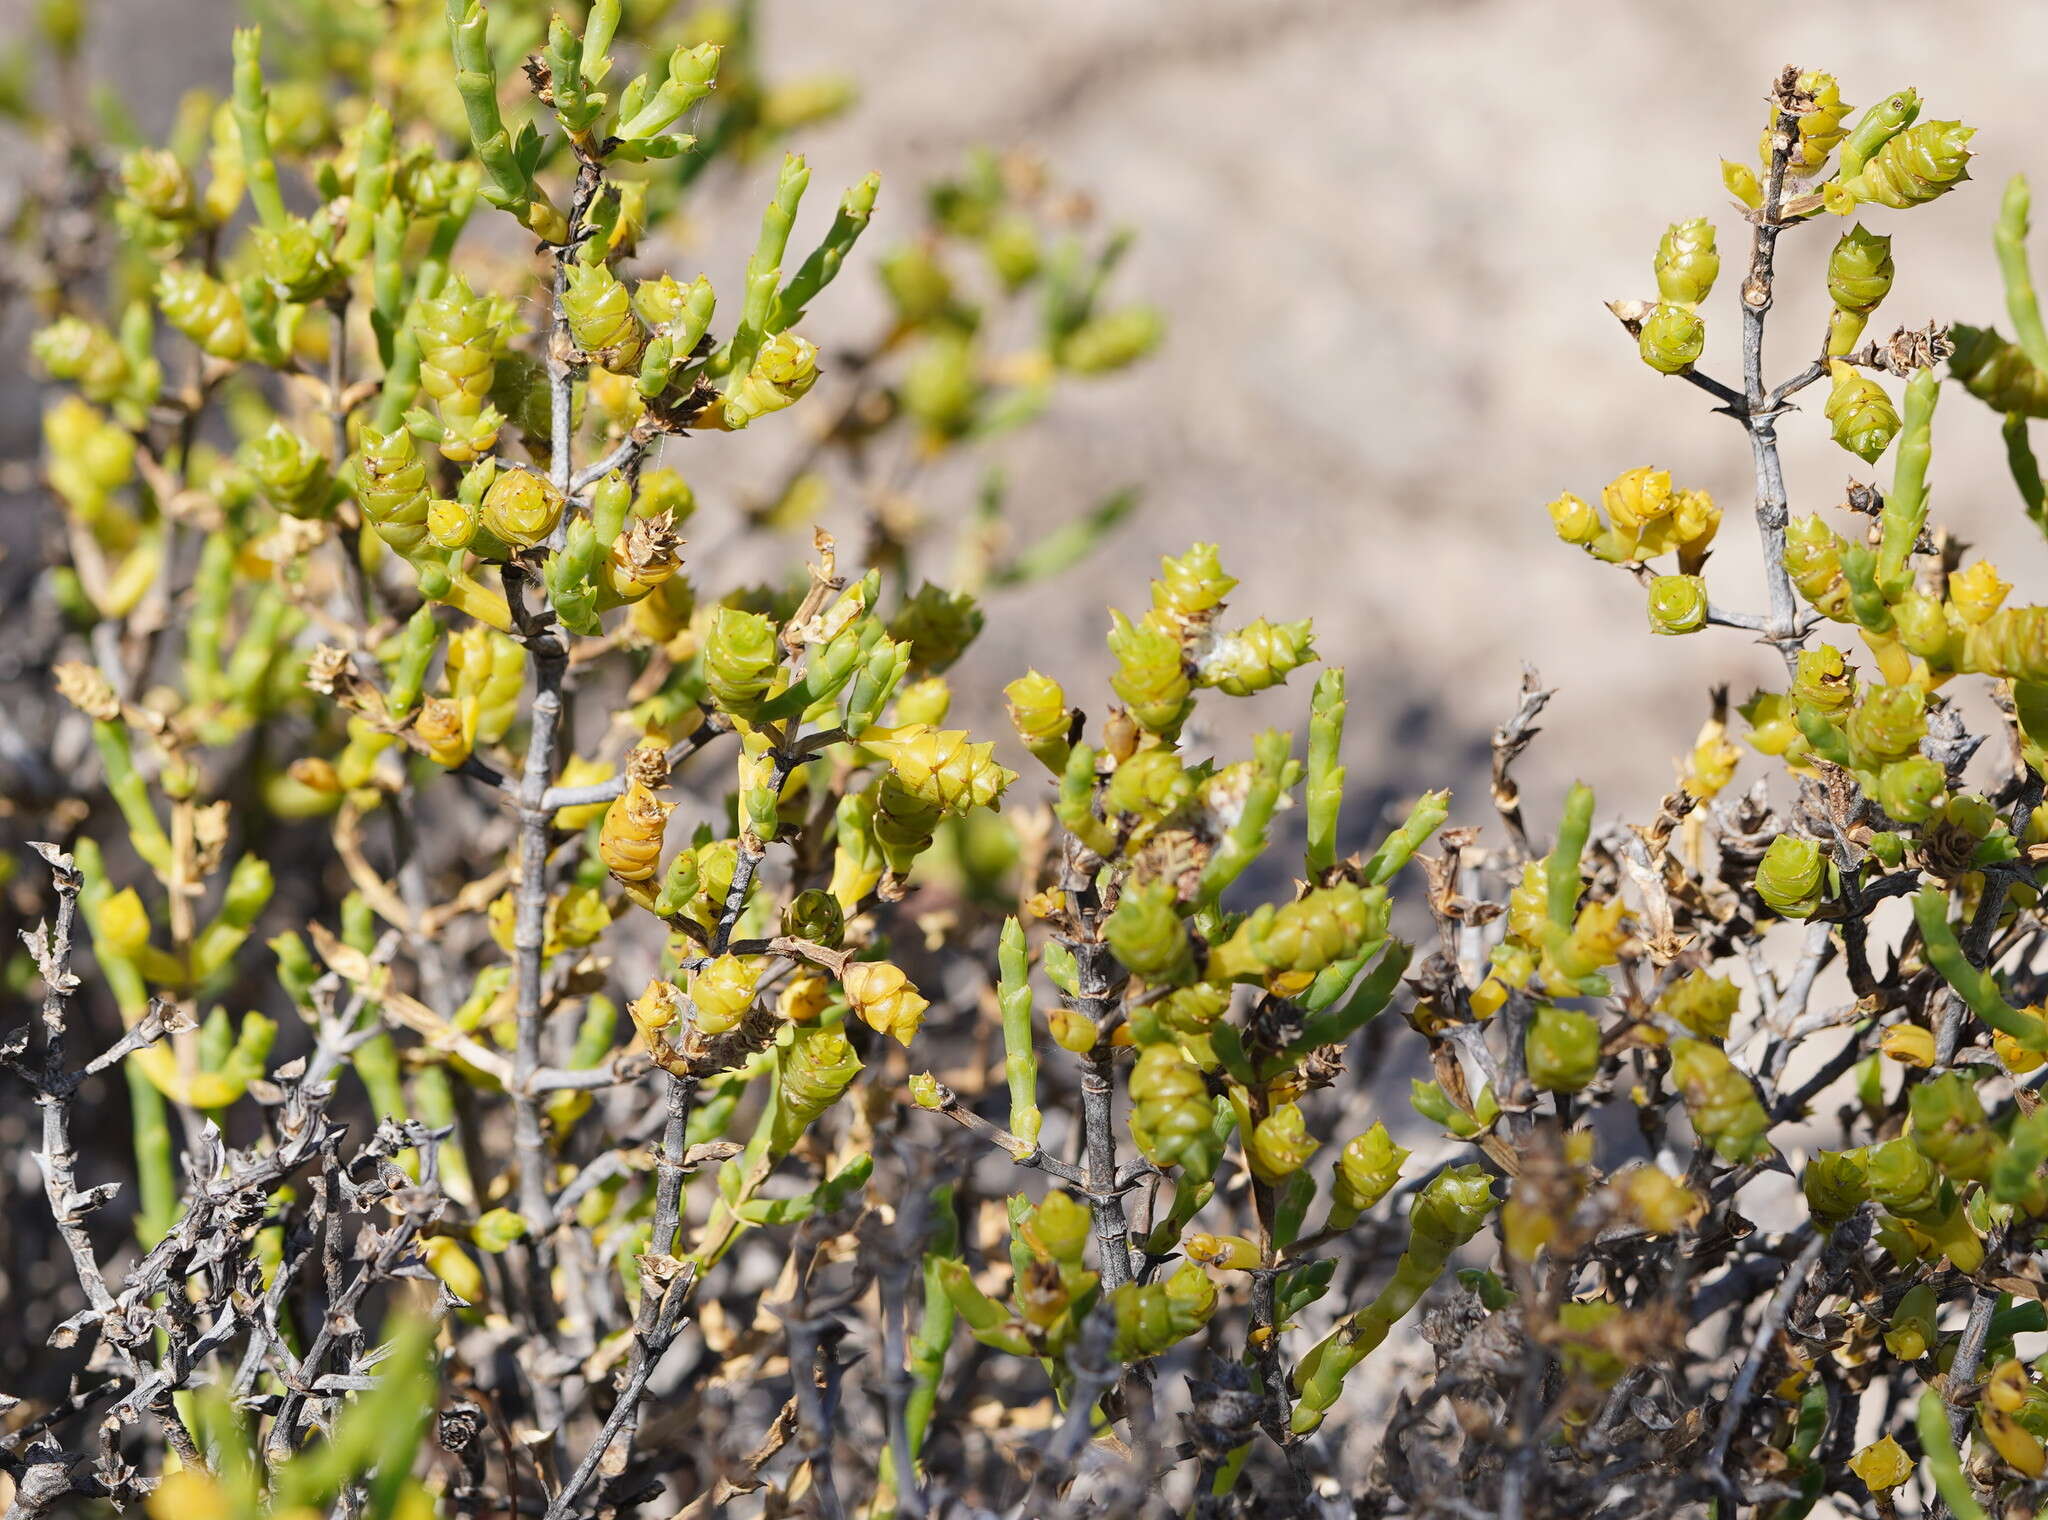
x=1645 y=518
x=1176 y=646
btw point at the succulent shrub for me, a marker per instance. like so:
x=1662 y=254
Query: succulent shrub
x=596 y=1040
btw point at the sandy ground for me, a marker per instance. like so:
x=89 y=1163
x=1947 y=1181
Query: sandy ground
x=1383 y=232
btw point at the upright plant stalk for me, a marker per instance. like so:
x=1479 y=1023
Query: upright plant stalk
x=1773 y=512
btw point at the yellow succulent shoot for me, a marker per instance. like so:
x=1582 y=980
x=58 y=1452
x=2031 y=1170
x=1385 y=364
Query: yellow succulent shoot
x=630 y=842
x=1882 y=1465
x=1821 y=126
x=522 y=507
x=884 y=998
x=941 y=767
x=723 y=991
x=656 y=1009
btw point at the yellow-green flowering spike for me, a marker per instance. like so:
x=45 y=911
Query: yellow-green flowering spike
x=723 y=991
x=1367 y=1170
x=1191 y=585
x=816 y=916
x=1039 y=713
x=1257 y=656
x=87 y=355
x=1150 y=787
x=1281 y=1145
x=1887 y=723
x=1824 y=679
x=629 y=843
x=521 y=507
x=1576 y=520
x=1147 y=935
x=291 y=472
x=882 y=996
x=681 y=313
x=1153 y=1317
x=781 y=374
x=1924 y=161
x=741 y=657
x=487 y=670
x=1859 y=411
x=1813 y=559
x=1562 y=1048
x=1321 y=928
x=1835 y=1184
x=455 y=525
x=1702 y=1002
x=942 y=767
x=1860 y=269
x=159 y=205
x=904 y=822
x=601 y=318
x=459 y=336
x=204 y=310
x=1792 y=876
x=1906 y=1182
x=1677 y=604
x=1860 y=274
x=1151 y=674
x=814 y=1064
x=1172 y=1118
x=938 y=625
x=1819 y=129
x=1950 y=1128
x=1719 y=1100
x=297 y=261
x=1910 y=790
x=1672 y=338
x=1687 y=262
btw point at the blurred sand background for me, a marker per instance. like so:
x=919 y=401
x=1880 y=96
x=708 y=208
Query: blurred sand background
x=1383 y=233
